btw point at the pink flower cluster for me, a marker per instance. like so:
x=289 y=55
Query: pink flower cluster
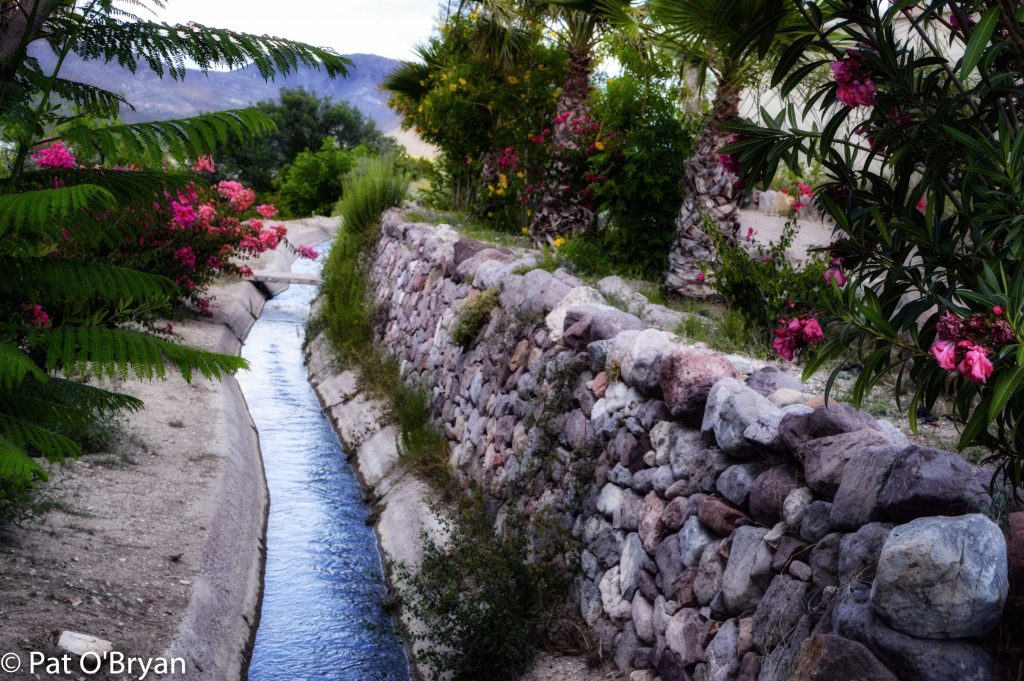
x=853 y=78
x=204 y=164
x=36 y=316
x=960 y=343
x=267 y=210
x=241 y=197
x=796 y=333
x=307 y=252
x=186 y=256
x=55 y=155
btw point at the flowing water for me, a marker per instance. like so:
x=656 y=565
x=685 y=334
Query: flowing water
x=323 y=593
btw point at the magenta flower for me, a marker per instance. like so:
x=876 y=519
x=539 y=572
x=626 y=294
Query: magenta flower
x=204 y=164
x=853 y=80
x=54 y=156
x=944 y=352
x=308 y=252
x=812 y=332
x=36 y=315
x=835 y=273
x=267 y=210
x=975 y=365
x=186 y=256
x=1002 y=334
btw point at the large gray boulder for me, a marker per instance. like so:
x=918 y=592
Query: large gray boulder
x=856 y=501
x=928 y=482
x=942 y=577
x=748 y=570
x=909 y=657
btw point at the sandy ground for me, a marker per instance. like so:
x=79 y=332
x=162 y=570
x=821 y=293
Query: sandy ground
x=550 y=668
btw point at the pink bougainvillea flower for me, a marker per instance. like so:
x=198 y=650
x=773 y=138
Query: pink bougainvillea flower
x=267 y=210
x=245 y=271
x=944 y=352
x=308 y=252
x=701 y=277
x=280 y=230
x=997 y=310
x=853 y=80
x=184 y=214
x=55 y=155
x=204 y=307
x=204 y=164
x=36 y=316
x=975 y=365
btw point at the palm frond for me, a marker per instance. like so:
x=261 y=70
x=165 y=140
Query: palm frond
x=64 y=406
x=24 y=434
x=16 y=466
x=120 y=353
x=48 y=211
x=166 y=48
x=180 y=139
x=15 y=365
x=72 y=281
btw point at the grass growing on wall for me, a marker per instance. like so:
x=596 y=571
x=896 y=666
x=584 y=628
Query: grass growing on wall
x=348 y=316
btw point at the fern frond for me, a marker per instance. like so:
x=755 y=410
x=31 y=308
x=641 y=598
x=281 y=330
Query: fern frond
x=73 y=281
x=64 y=406
x=181 y=139
x=16 y=466
x=48 y=211
x=90 y=99
x=15 y=365
x=135 y=188
x=24 y=434
x=120 y=353
x=166 y=48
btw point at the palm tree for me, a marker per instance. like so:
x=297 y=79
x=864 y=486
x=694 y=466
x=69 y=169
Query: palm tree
x=730 y=40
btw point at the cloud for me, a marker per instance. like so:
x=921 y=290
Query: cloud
x=390 y=28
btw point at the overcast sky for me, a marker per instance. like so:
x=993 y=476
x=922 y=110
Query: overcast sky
x=386 y=27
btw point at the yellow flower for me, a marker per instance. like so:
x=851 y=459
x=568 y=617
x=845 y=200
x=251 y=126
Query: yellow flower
x=500 y=191
x=469 y=160
x=526 y=231
x=490 y=215
x=513 y=80
x=559 y=242
x=490 y=189
x=529 y=212
x=503 y=180
x=453 y=87
x=599 y=145
x=520 y=174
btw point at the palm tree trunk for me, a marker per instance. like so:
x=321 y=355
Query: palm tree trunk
x=710 y=192
x=560 y=210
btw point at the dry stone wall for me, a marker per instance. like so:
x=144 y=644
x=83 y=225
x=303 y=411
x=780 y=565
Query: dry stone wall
x=721 y=529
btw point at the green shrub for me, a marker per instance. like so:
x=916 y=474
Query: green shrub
x=312 y=184
x=369 y=190
x=473 y=317
x=485 y=607
x=762 y=284
x=637 y=177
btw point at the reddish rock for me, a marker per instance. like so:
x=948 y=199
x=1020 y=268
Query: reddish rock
x=683 y=588
x=833 y=658
x=652 y=526
x=719 y=516
x=600 y=384
x=769 y=494
x=686 y=375
x=675 y=513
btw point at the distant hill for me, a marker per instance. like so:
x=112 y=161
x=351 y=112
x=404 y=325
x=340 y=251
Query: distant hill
x=155 y=98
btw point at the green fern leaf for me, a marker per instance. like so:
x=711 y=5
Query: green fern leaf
x=16 y=466
x=66 y=280
x=120 y=353
x=15 y=365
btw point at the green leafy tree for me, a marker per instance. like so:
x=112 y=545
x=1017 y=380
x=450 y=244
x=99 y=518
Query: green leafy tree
x=303 y=123
x=313 y=183
x=62 y=318
x=482 y=84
